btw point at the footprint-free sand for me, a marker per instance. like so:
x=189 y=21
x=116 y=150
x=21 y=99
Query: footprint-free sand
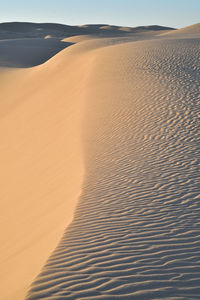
x=100 y=167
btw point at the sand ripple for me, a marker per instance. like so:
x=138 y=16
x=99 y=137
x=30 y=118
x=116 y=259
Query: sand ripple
x=136 y=231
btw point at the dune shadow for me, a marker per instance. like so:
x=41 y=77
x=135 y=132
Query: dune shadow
x=27 y=52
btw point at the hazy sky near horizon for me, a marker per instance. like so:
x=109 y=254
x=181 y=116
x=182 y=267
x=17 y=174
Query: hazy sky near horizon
x=174 y=13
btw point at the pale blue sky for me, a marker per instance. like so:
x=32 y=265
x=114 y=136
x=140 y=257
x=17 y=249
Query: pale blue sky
x=175 y=13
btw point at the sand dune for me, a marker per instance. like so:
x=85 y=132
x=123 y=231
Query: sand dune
x=25 y=45
x=185 y=32
x=41 y=164
x=190 y=29
x=113 y=123
x=79 y=38
x=135 y=234
x=15 y=30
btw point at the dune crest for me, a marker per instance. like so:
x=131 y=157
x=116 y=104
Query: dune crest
x=195 y=28
x=185 y=31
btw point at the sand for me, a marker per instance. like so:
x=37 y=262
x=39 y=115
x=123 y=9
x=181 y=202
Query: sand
x=101 y=141
x=13 y=30
x=41 y=164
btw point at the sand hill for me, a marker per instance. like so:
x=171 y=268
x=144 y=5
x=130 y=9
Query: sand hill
x=29 y=44
x=99 y=164
x=189 y=30
x=40 y=30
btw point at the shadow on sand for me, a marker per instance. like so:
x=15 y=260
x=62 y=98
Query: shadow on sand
x=25 y=53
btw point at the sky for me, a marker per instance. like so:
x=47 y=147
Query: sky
x=173 y=13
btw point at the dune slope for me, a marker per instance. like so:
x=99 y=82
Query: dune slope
x=41 y=112
x=185 y=32
x=195 y=28
x=41 y=163
x=136 y=230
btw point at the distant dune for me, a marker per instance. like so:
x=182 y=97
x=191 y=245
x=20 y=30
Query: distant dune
x=25 y=45
x=193 y=29
x=190 y=29
x=40 y=30
x=99 y=162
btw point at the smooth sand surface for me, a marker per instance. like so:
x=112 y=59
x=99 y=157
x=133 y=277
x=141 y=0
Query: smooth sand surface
x=41 y=164
x=108 y=126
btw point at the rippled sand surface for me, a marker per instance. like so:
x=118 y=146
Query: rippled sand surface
x=136 y=229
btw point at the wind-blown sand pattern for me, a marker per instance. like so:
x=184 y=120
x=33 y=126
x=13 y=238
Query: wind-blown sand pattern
x=134 y=110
